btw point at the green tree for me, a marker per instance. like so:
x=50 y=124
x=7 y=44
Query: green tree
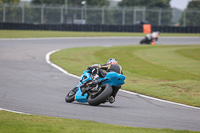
x=194 y=4
x=73 y=2
x=91 y=16
x=53 y=2
x=9 y=1
x=13 y=14
x=152 y=12
x=191 y=16
x=152 y=3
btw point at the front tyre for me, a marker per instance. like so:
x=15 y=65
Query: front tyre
x=101 y=97
x=71 y=95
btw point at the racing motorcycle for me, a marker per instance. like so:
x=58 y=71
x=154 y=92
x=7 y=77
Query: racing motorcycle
x=146 y=41
x=95 y=94
x=150 y=38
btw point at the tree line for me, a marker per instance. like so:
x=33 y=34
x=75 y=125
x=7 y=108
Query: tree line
x=193 y=17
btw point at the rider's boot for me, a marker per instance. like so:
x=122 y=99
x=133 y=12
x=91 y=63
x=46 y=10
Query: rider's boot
x=111 y=99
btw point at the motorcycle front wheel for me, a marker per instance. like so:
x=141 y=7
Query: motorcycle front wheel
x=101 y=96
x=71 y=95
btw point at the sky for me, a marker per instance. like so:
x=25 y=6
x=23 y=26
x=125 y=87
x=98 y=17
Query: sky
x=181 y=4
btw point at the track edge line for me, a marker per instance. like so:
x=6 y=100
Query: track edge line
x=133 y=93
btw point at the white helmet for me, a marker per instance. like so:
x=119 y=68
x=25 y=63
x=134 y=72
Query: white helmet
x=112 y=61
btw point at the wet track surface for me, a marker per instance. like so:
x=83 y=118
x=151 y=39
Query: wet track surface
x=28 y=84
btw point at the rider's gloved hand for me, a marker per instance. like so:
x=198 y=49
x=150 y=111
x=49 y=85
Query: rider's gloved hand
x=96 y=66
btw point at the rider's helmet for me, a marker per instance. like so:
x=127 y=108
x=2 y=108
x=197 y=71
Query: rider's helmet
x=155 y=34
x=112 y=61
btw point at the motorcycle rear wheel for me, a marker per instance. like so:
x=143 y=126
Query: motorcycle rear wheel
x=142 y=41
x=71 y=95
x=102 y=95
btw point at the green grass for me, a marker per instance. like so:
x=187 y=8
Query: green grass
x=167 y=72
x=21 y=123
x=40 y=34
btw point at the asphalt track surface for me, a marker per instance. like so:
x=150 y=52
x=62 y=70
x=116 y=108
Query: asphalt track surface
x=29 y=84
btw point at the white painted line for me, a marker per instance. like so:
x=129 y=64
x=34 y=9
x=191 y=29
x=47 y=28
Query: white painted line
x=75 y=76
x=133 y=93
x=157 y=99
x=54 y=65
x=14 y=111
x=49 y=62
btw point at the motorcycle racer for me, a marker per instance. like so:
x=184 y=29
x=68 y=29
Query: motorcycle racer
x=98 y=70
x=150 y=38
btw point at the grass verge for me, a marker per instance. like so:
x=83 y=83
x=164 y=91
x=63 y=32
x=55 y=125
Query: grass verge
x=21 y=123
x=40 y=34
x=167 y=72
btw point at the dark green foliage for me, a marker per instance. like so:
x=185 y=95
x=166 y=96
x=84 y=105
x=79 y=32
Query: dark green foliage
x=73 y=2
x=152 y=3
x=152 y=13
x=9 y=1
x=192 y=14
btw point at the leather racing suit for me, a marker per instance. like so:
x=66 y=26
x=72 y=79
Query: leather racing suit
x=102 y=70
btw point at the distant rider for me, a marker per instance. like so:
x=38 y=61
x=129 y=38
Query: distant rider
x=98 y=70
x=152 y=37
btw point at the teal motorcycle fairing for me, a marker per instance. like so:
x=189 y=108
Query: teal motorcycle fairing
x=112 y=78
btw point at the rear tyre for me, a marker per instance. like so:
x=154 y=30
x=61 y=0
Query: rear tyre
x=142 y=41
x=101 y=97
x=71 y=95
